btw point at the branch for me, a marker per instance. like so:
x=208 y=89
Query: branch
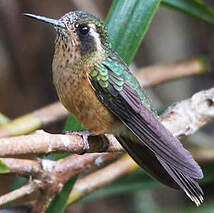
x=119 y=168
x=23 y=167
x=102 y=177
x=60 y=174
x=50 y=176
x=34 y=120
x=154 y=75
x=42 y=142
x=148 y=76
x=183 y=118
x=186 y=117
x=18 y=193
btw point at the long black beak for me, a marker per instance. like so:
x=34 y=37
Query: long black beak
x=55 y=22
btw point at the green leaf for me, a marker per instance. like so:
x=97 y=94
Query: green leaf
x=194 y=8
x=58 y=204
x=18 y=182
x=4 y=169
x=208 y=171
x=72 y=124
x=127 y=24
x=57 y=156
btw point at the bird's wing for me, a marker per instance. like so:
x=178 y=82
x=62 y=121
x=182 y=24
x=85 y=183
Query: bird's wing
x=118 y=90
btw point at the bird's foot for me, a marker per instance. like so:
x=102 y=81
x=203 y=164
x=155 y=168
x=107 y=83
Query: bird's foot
x=84 y=134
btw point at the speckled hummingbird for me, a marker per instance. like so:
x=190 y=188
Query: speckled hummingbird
x=95 y=84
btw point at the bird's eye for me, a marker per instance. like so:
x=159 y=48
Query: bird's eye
x=84 y=29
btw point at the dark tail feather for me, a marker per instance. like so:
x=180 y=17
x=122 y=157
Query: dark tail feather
x=162 y=171
x=186 y=183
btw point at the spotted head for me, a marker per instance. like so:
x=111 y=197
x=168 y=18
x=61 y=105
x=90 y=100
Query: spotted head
x=80 y=31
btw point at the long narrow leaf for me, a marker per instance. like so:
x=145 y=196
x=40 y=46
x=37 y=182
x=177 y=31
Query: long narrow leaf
x=128 y=22
x=58 y=205
x=194 y=8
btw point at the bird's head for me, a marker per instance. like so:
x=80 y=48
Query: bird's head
x=79 y=31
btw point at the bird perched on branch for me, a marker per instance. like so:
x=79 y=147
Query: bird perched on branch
x=95 y=84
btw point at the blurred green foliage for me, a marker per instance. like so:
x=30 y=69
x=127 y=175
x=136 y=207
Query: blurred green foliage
x=195 y=8
x=3 y=168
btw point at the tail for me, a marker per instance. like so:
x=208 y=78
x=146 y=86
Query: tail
x=163 y=172
x=186 y=183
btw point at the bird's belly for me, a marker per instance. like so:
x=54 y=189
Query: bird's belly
x=80 y=99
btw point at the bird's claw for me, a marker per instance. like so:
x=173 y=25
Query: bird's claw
x=84 y=134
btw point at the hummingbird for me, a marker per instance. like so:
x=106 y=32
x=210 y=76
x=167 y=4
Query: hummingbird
x=96 y=85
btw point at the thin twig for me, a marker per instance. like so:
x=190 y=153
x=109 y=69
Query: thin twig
x=102 y=177
x=23 y=167
x=203 y=155
x=191 y=114
x=121 y=167
x=61 y=173
x=32 y=121
x=158 y=74
x=50 y=176
x=42 y=142
x=18 y=193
